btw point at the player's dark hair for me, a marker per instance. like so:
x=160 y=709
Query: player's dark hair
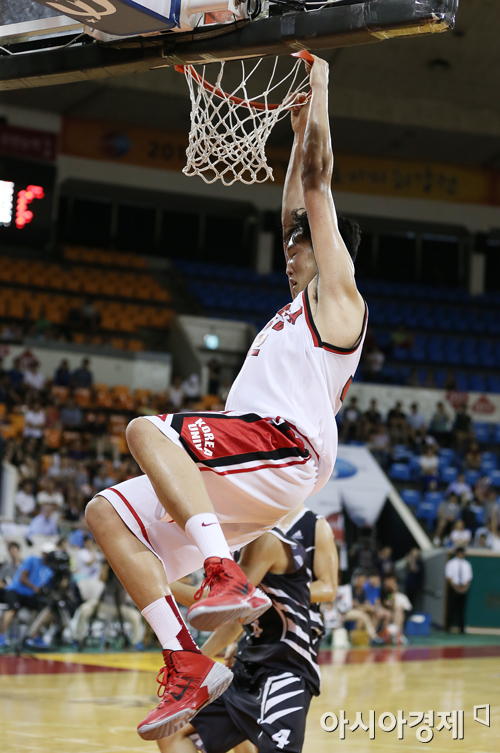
x=349 y=230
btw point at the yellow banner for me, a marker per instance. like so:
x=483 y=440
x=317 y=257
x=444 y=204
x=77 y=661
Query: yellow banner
x=165 y=150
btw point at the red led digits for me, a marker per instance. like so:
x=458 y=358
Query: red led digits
x=25 y=197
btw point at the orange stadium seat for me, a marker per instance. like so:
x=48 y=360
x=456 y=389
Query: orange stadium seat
x=123 y=398
x=60 y=394
x=83 y=397
x=103 y=397
x=121 y=444
x=52 y=438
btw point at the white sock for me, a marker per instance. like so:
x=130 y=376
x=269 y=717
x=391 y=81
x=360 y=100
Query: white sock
x=205 y=531
x=167 y=623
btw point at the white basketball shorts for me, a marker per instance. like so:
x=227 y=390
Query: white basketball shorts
x=256 y=470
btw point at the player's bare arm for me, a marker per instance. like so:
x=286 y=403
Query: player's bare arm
x=339 y=308
x=293 y=195
x=325 y=564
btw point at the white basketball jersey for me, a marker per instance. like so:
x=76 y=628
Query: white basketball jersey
x=290 y=373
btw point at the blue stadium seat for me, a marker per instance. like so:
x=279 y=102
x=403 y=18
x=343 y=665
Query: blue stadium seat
x=490 y=457
x=496 y=434
x=434 y=498
x=399 y=472
x=479 y=513
x=495 y=479
x=472 y=477
x=447 y=454
x=448 y=475
x=412 y=497
x=482 y=431
x=426 y=511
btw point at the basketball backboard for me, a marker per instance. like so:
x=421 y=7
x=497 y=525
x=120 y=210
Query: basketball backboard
x=41 y=46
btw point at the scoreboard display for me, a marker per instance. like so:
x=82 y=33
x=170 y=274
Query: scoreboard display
x=26 y=200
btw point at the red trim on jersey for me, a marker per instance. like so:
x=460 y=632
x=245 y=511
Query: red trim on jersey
x=304 y=438
x=318 y=342
x=134 y=513
x=255 y=467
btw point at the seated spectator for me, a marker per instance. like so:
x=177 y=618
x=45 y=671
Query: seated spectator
x=90 y=315
x=344 y=610
x=62 y=375
x=176 y=393
x=379 y=444
x=373 y=591
x=473 y=458
x=71 y=416
x=429 y=381
x=429 y=464
x=351 y=427
x=414 y=574
x=50 y=496
x=460 y=535
x=416 y=424
x=34 y=420
x=491 y=507
x=373 y=365
x=88 y=569
x=399 y=607
x=384 y=562
x=448 y=512
x=16 y=375
x=82 y=376
x=372 y=418
x=459 y=487
x=450 y=382
x=24 y=588
x=102 y=480
x=43 y=325
x=481 y=541
x=413 y=380
x=398 y=427
x=43 y=524
x=401 y=339
x=34 y=378
x=9 y=568
x=439 y=426
x=191 y=387
x=462 y=428
x=24 y=500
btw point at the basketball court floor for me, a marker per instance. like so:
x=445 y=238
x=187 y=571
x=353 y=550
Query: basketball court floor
x=91 y=703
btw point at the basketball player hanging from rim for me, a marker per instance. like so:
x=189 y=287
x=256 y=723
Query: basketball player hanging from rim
x=215 y=481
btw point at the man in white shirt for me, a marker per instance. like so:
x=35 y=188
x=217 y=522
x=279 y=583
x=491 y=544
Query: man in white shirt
x=34 y=378
x=49 y=495
x=34 y=420
x=458 y=572
x=24 y=499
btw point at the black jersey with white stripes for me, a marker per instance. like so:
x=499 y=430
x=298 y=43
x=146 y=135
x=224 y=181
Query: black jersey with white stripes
x=287 y=636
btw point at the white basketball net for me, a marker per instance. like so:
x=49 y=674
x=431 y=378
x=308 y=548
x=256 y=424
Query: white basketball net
x=228 y=138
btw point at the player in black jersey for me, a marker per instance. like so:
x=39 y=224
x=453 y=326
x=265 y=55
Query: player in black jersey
x=276 y=665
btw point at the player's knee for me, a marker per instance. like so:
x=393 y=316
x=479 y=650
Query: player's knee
x=138 y=430
x=97 y=513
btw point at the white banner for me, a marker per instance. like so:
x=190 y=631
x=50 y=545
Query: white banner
x=481 y=406
x=357 y=483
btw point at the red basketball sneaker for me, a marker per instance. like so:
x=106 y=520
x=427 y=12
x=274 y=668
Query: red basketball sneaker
x=232 y=597
x=189 y=681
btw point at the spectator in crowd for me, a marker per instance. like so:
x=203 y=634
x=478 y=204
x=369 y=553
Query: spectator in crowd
x=351 y=427
x=362 y=553
x=399 y=606
x=439 y=426
x=373 y=590
x=49 y=495
x=43 y=325
x=191 y=387
x=374 y=365
x=34 y=420
x=491 y=507
x=343 y=609
x=429 y=381
x=102 y=480
x=24 y=500
x=450 y=382
x=398 y=427
x=462 y=428
x=89 y=314
x=372 y=418
x=43 y=524
x=379 y=443
x=8 y=569
x=88 y=569
x=176 y=393
x=213 y=376
x=460 y=535
x=481 y=542
x=71 y=416
x=473 y=457
x=416 y=424
x=458 y=572
x=414 y=379
x=414 y=574
x=384 y=562
x=33 y=377
x=82 y=376
x=459 y=487
x=429 y=465
x=448 y=512
x=24 y=588
x=62 y=375
x=16 y=375
x=401 y=339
